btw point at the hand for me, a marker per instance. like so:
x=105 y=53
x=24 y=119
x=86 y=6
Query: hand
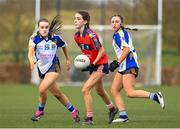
x=91 y=68
x=84 y=70
x=113 y=65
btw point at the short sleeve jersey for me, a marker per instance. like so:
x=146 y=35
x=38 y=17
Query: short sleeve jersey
x=45 y=50
x=122 y=39
x=89 y=44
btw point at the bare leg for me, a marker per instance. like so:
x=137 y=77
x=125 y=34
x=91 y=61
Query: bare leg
x=59 y=94
x=89 y=84
x=115 y=89
x=102 y=92
x=128 y=83
x=64 y=100
x=49 y=79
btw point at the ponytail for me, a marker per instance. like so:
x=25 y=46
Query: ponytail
x=55 y=26
x=127 y=28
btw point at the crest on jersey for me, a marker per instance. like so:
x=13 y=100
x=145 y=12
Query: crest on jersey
x=47 y=46
x=92 y=35
x=53 y=46
x=55 y=41
x=123 y=38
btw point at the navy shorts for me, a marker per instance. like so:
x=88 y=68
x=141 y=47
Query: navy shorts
x=133 y=71
x=54 y=68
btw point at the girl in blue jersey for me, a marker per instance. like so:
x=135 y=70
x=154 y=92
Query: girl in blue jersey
x=43 y=44
x=128 y=69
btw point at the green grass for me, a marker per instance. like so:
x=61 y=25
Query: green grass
x=18 y=103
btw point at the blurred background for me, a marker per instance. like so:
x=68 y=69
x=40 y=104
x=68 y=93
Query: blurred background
x=18 y=21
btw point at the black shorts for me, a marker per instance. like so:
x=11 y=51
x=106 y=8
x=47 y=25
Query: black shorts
x=133 y=71
x=55 y=67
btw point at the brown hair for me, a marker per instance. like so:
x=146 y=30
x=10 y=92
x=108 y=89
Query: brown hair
x=85 y=15
x=43 y=20
x=122 y=20
x=55 y=26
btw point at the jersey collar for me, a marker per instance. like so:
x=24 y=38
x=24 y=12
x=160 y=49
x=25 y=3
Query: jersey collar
x=83 y=33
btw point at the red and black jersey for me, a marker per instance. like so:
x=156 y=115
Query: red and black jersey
x=90 y=45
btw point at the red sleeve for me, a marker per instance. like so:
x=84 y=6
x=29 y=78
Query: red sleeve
x=96 y=41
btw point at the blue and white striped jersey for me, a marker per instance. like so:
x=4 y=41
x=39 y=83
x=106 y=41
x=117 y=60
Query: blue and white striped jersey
x=45 y=50
x=122 y=39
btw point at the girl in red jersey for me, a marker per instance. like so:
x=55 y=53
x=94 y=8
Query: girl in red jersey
x=89 y=44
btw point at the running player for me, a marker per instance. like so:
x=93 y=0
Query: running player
x=89 y=43
x=43 y=44
x=128 y=69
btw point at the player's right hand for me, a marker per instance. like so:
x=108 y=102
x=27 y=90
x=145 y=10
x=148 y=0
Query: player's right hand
x=32 y=65
x=113 y=65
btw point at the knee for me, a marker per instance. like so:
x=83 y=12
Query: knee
x=114 y=91
x=42 y=91
x=85 y=91
x=129 y=94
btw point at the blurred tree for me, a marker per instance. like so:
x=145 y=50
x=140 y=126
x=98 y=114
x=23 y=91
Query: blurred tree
x=16 y=25
x=171 y=25
x=17 y=18
x=138 y=12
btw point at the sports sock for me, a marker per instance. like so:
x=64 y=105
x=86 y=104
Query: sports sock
x=154 y=97
x=123 y=114
x=89 y=115
x=70 y=107
x=110 y=107
x=41 y=107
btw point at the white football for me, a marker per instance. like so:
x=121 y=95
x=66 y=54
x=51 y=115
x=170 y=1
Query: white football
x=81 y=61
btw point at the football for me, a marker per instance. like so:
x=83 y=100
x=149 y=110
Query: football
x=81 y=61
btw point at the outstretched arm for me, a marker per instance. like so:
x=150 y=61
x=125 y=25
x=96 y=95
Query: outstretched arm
x=68 y=62
x=31 y=57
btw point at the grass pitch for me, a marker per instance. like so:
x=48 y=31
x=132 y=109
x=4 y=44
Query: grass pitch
x=19 y=102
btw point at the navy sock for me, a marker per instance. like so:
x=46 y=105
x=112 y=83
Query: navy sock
x=123 y=114
x=153 y=96
x=41 y=107
x=70 y=107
